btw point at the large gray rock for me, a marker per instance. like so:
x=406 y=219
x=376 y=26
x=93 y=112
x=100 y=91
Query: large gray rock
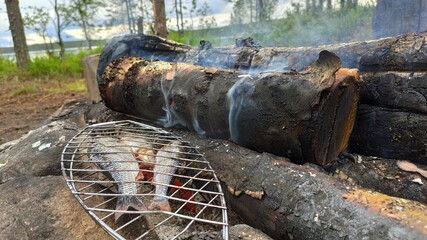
x=43 y=208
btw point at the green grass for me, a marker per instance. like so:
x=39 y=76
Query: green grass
x=75 y=86
x=53 y=66
x=27 y=89
x=47 y=67
x=8 y=69
x=58 y=75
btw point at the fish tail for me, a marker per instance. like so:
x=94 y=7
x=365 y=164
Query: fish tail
x=160 y=203
x=124 y=202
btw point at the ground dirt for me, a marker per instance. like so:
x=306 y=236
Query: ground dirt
x=25 y=105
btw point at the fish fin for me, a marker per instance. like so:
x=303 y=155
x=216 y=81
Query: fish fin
x=123 y=203
x=163 y=205
x=122 y=206
x=137 y=203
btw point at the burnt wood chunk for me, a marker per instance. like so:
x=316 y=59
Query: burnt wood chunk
x=393 y=79
x=288 y=201
x=405 y=53
x=307 y=116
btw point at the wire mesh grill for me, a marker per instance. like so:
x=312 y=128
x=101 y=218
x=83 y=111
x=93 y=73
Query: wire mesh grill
x=141 y=182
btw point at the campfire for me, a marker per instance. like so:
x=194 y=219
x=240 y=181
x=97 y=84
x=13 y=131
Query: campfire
x=302 y=147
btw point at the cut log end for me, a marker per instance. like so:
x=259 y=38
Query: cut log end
x=332 y=122
x=307 y=117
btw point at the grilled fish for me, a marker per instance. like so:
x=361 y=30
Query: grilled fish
x=122 y=167
x=163 y=170
x=143 y=152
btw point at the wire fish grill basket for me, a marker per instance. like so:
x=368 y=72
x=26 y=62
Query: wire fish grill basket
x=141 y=182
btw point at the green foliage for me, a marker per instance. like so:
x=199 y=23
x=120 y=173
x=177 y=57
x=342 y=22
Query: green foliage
x=48 y=66
x=8 y=69
x=298 y=28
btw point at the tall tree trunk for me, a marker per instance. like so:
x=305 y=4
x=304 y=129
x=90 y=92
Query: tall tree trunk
x=251 y=9
x=342 y=4
x=128 y=15
x=349 y=3
x=181 y=16
x=59 y=29
x=177 y=15
x=329 y=4
x=87 y=34
x=18 y=34
x=132 y=18
x=261 y=15
x=307 y=5
x=321 y=5
x=159 y=18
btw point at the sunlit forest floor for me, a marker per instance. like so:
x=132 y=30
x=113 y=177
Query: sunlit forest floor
x=26 y=104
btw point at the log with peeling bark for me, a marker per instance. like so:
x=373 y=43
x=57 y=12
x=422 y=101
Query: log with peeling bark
x=400 y=61
x=289 y=201
x=307 y=116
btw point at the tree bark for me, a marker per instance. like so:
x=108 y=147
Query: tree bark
x=160 y=28
x=307 y=116
x=406 y=54
x=18 y=34
x=289 y=201
x=59 y=27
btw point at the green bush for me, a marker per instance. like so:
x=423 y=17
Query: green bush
x=50 y=66
x=8 y=68
x=295 y=29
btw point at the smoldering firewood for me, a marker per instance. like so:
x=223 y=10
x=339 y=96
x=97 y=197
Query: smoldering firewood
x=407 y=52
x=301 y=202
x=385 y=176
x=390 y=133
x=405 y=55
x=393 y=112
x=308 y=116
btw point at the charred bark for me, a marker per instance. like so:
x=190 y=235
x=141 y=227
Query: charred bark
x=403 y=53
x=289 y=201
x=307 y=116
x=393 y=113
x=403 y=58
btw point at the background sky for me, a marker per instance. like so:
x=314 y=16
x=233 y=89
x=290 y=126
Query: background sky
x=221 y=9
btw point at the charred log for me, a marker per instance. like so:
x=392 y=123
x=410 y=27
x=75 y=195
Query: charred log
x=406 y=52
x=308 y=116
x=384 y=176
x=289 y=201
x=401 y=91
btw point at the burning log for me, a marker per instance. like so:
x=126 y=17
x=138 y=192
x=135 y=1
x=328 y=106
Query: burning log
x=393 y=112
x=300 y=202
x=289 y=201
x=307 y=116
x=405 y=55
